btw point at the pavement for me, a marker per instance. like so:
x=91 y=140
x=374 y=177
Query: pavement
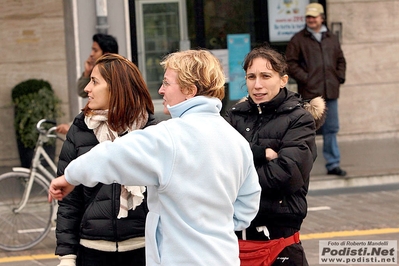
x=336 y=205
x=367 y=161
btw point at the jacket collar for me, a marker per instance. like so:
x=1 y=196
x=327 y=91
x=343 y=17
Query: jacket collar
x=307 y=33
x=284 y=100
x=322 y=29
x=272 y=104
x=79 y=121
x=196 y=104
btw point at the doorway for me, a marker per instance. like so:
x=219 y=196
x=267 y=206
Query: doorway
x=161 y=29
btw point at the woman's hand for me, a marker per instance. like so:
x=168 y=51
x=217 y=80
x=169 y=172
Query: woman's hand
x=270 y=154
x=59 y=188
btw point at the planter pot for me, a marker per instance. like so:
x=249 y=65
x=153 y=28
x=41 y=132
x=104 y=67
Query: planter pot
x=33 y=99
x=26 y=154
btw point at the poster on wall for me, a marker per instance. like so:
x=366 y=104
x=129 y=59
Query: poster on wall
x=238 y=46
x=286 y=17
x=223 y=56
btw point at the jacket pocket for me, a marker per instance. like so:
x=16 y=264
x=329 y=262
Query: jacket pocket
x=152 y=238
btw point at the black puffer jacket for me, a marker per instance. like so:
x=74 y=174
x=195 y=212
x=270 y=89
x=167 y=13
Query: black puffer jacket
x=286 y=127
x=90 y=213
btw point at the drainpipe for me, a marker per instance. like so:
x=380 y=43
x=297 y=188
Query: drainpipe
x=102 y=16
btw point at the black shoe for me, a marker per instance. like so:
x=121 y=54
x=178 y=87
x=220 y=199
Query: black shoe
x=337 y=171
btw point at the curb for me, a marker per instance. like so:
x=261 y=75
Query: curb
x=358 y=181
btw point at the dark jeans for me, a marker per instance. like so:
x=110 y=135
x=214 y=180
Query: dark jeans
x=92 y=257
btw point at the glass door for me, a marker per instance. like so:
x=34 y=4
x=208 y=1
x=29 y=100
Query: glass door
x=161 y=29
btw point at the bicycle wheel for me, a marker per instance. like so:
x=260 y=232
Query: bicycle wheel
x=23 y=230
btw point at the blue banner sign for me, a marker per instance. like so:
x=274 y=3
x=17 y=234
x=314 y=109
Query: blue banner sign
x=238 y=46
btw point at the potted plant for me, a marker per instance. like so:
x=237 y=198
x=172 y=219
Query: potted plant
x=33 y=100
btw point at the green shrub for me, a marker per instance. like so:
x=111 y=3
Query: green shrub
x=33 y=100
x=29 y=86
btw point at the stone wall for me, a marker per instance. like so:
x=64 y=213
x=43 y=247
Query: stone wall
x=369 y=101
x=32 y=46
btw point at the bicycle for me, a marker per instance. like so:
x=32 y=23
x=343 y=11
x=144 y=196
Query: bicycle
x=26 y=216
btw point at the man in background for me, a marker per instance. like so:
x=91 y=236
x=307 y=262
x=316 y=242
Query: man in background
x=102 y=44
x=317 y=63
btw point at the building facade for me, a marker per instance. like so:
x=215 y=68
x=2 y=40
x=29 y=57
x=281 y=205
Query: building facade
x=51 y=39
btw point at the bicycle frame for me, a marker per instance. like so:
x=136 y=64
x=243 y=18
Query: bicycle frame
x=36 y=164
x=26 y=215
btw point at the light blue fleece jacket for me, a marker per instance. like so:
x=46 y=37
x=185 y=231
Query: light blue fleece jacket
x=202 y=184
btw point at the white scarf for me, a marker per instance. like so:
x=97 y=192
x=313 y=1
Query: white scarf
x=131 y=196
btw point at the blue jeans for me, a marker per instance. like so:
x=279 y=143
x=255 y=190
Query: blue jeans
x=329 y=130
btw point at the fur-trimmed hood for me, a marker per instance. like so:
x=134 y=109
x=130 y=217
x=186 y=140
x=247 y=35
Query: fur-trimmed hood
x=317 y=107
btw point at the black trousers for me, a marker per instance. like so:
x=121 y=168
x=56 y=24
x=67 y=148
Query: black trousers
x=92 y=257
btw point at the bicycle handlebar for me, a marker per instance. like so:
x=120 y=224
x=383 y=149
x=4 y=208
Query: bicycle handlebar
x=44 y=131
x=39 y=124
